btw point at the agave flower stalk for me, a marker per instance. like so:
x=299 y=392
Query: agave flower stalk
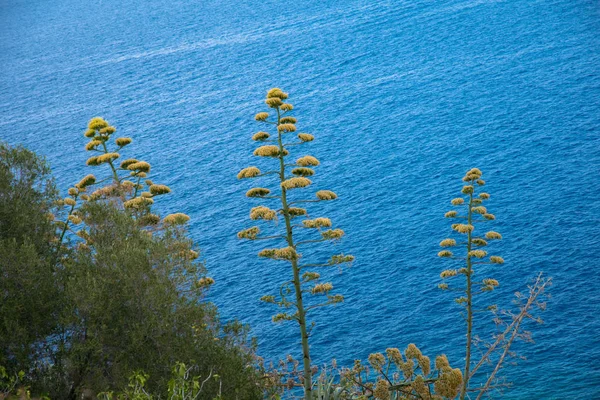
x=474 y=213
x=304 y=291
x=137 y=196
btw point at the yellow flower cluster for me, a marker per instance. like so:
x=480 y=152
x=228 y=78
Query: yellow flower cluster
x=257 y=192
x=326 y=195
x=262 y=212
x=176 y=219
x=249 y=172
x=317 y=223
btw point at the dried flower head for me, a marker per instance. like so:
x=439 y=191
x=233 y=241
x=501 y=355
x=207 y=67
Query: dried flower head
x=250 y=233
x=260 y=136
x=138 y=203
x=322 y=288
x=457 y=201
x=86 y=181
x=307 y=161
x=276 y=92
x=489 y=216
x=496 y=260
x=258 y=192
x=286 y=253
x=449 y=273
x=479 y=210
x=326 y=195
x=72 y=192
x=268 y=299
x=74 y=219
x=281 y=317
x=286 y=128
x=484 y=196
x=332 y=234
x=159 y=189
x=97 y=123
x=262 y=212
x=305 y=137
x=140 y=166
x=303 y=171
x=412 y=351
x=123 y=141
x=128 y=162
x=107 y=157
x=109 y=130
x=261 y=116
x=479 y=242
x=69 y=202
x=491 y=235
x=463 y=228
x=294 y=183
x=317 y=223
x=149 y=219
x=310 y=276
x=340 y=259
x=394 y=355
x=287 y=107
x=451 y=214
x=445 y=253
x=249 y=172
x=92 y=145
x=382 y=390
x=176 y=219
x=477 y=253
x=296 y=211
x=449 y=382
x=90 y=133
x=205 y=282
x=288 y=120
x=274 y=102
x=491 y=282
x=467 y=189
x=267 y=151
x=377 y=361
x=92 y=161
x=448 y=243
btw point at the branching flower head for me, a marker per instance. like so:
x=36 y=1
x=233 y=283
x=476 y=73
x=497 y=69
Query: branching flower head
x=176 y=219
x=249 y=172
x=317 y=223
x=262 y=212
x=297 y=182
x=258 y=192
x=326 y=195
x=157 y=190
x=307 y=161
x=305 y=137
x=260 y=136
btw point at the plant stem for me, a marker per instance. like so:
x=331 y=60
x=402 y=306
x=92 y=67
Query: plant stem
x=296 y=272
x=114 y=171
x=466 y=376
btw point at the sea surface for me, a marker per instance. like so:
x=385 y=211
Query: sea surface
x=402 y=97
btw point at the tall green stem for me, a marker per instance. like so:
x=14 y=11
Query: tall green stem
x=112 y=167
x=296 y=272
x=465 y=384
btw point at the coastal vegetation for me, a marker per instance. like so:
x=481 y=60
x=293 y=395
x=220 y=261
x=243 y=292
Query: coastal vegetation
x=103 y=297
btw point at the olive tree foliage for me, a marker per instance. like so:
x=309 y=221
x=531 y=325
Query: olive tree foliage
x=97 y=287
x=29 y=289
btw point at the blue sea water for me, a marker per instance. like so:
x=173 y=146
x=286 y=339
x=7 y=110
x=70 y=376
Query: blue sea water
x=403 y=98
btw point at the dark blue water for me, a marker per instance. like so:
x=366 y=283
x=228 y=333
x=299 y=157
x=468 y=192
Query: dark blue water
x=403 y=98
